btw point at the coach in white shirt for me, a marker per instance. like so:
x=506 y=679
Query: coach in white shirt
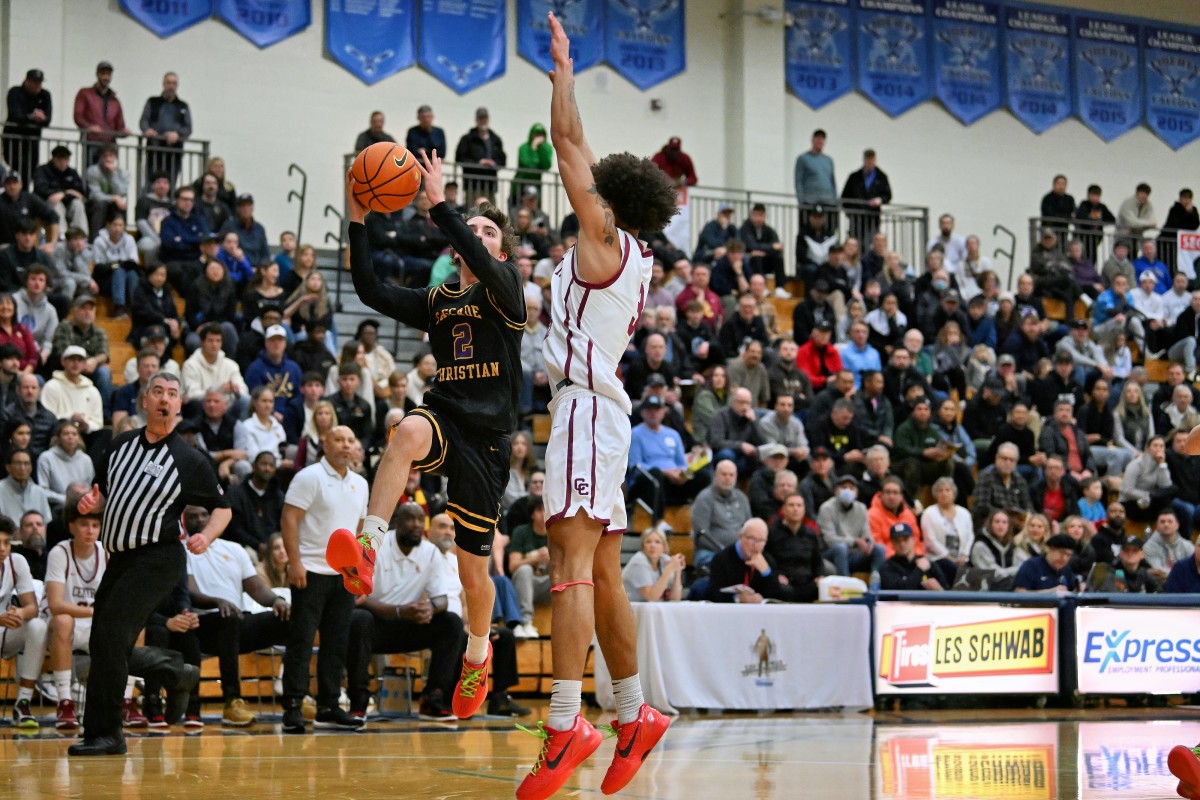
x=407 y=611
x=321 y=499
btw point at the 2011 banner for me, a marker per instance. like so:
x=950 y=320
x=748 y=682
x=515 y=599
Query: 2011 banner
x=893 y=53
x=1107 y=79
x=1037 y=50
x=168 y=17
x=371 y=39
x=583 y=20
x=966 y=57
x=645 y=41
x=818 y=50
x=463 y=41
x=266 y=22
x=1171 y=75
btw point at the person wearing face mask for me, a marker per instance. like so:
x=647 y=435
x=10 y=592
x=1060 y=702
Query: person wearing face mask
x=846 y=533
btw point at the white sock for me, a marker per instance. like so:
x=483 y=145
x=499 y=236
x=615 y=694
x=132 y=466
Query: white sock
x=628 y=693
x=476 y=648
x=24 y=693
x=129 y=682
x=62 y=683
x=374 y=526
x=566 y=699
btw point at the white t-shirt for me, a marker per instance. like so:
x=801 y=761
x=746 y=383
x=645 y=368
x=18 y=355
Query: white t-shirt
x=402 y=579
x=220 y=570
x=80 y=577
x=330 y=502
x=15 y=578
x=454 y=587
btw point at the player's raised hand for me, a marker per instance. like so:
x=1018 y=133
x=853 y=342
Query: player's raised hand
x=357 y=211
x=560 y=46
x=90 y=501
x=431 y=168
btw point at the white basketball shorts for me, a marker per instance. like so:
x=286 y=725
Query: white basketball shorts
x=586 y=459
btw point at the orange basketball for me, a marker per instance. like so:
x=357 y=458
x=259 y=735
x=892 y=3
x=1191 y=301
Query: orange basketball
x=386 y=177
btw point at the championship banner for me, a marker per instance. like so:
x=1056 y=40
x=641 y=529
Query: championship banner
x=583 y=20
x=1156 y=650
x=966 y=57
x=463 y=42
x=1128 y=760
x=817 y=50
x=1171 y=75
x=645 y=41
x=1013 y=762
x=1107 y=79
x=924 y=648
x=168 y=17
x=1037 y=45
x=1188 y=249
x=266 y=22
x=372 y=39
x=893 y=54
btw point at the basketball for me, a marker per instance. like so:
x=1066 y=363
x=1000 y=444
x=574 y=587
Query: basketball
x=386 y=177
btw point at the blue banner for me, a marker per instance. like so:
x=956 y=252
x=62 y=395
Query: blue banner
x=463 y=42
x=1108 y=89
x=583 y=20
x=966 y=58
x=168 y=17
x=893 y=54
x=1171 y=59
x=820 y=62
x=265 y=22
x=1037 y=51
x=645 y=40
x=371 y=38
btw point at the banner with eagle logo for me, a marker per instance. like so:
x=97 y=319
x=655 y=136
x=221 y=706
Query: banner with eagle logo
x=166 y=18
x=1037 y=53
x=893 y=54
x=966 y=58
x=373 y=39
x=583 y=20
x=266 y=22
x=645 y=40
x=463 y=43
x=1171 y=75
x=1108 y=85
x=818 y=50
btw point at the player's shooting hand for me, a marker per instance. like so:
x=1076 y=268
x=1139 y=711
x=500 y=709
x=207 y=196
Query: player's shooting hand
x=431 y=169
x=560 y=47
x=356 y=211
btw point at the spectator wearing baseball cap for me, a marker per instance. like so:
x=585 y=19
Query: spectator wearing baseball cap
x=1136 y=577
x=1049 y=573
x=275 y=370
x=252 y=236
x=889 y=508
x=657 y=462
x=905 y=570
x=29 y=110
x=675 y=163
x=716 y=235
x=62 y=187
x=817 y=357
x=817 y=486
x=69 y=394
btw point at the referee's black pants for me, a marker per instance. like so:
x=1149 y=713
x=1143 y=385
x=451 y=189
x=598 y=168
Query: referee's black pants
x=135 y=582
x=443 y=636
x=324 y=605
x=227 y=638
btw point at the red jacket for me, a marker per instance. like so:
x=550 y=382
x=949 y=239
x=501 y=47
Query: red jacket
x=678 y=167
x=22 y=339
x=808 y=361
x=91 y=109
x=714 y=315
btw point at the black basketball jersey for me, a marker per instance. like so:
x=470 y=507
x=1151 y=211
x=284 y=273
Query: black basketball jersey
x=475 y=333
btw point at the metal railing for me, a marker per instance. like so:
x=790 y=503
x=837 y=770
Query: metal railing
x=1097 y=240
x=138 y=156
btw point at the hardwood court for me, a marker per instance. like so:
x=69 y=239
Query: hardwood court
x=1023 y=754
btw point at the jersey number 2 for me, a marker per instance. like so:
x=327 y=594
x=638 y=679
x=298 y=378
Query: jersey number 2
x=462 y=341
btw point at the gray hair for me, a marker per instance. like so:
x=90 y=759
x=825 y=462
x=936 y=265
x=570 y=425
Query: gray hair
x=940 y=482
x=785 y=473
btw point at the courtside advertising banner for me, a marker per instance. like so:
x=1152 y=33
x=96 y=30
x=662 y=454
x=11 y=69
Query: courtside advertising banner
x=926 y=648
x=1138 y=650
x=371 y=40
x=893 y=54
x=1108 y=85
x=817 y=49
x=966 y=58
x=1189 y=252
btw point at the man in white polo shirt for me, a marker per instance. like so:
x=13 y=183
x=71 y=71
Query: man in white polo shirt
x=407 y=611
x=321 y=499
x=216 y=580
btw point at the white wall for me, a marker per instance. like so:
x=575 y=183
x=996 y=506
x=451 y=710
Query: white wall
x=264 y=109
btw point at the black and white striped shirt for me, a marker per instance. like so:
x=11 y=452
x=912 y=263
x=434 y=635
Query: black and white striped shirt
x=146 y=486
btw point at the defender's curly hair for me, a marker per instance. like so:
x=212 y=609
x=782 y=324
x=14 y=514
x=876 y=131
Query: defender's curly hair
x=508 y=239
x=638 y=192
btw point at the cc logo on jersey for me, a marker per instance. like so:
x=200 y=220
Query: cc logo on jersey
x=581 y=486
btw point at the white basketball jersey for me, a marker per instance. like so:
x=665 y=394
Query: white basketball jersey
x=80 y=577
x=591 y=323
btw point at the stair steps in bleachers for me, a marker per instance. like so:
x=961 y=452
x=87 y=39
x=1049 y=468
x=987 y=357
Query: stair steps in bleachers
x=400 y=340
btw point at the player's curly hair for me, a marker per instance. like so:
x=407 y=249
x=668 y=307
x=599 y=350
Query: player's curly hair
x=508 y=239
x=638 y=192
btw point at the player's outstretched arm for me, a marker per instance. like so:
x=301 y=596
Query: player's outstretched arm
x=598 y=237
x=409 y=306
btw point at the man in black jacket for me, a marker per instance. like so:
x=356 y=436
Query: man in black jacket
x=352 y=411
x=28 y=408
x=985 y=412
x=257 y=505
x=421 y=242
x=905 y=570
x=763 y=245
x=1059 y=383
x=29 y=110
x=812 y=309
x=865 y=191
x=62 y=187
x=746 y=565
x=745 y=325
x=166 y=123
x=1057 y=494
x=1185 y=335
x=840 y=436
x=794 y=542
x=1016 y=431
x=386 y=234
x=733 y=433
x=480 y=151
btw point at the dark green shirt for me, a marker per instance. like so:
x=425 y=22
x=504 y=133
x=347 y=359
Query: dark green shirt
x=524 y=540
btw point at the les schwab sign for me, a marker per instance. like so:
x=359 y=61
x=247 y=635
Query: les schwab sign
x=959 y=649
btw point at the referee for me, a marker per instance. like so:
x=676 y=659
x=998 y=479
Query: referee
x=143 y=484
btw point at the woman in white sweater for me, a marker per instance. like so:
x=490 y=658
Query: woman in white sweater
x=258 y=432
x=946 y=528
x=64 y=463
x=1146 y=486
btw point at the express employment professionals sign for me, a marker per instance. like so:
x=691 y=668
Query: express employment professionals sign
x=1142 y=650
x=957 y=649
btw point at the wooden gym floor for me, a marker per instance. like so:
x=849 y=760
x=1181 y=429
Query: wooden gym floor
x=1004 y=754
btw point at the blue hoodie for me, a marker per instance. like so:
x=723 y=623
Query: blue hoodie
x=283 y=379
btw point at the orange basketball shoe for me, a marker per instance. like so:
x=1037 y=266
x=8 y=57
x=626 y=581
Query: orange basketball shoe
x=354 y=558
x=635 y=740
x=562 y=752
x=1184 y=763
x=472 y=687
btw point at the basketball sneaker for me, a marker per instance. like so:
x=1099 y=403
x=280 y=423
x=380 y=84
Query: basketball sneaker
x=472 y=688
x=1184 y=763
x=236 y=714
x=22 y=716
x=64 y=718
x=132 y=716
x=635 y=740
x=562 y=752
x=354 y=558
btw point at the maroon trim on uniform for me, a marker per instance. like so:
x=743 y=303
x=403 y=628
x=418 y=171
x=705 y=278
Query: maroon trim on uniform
x=582 y=303
x=593 y=441
x=570 y=449
x=610 y=281
x=614 y=531
x=589 y=365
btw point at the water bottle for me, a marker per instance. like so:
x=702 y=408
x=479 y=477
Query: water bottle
x=1120 y=580
x=874 y=584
